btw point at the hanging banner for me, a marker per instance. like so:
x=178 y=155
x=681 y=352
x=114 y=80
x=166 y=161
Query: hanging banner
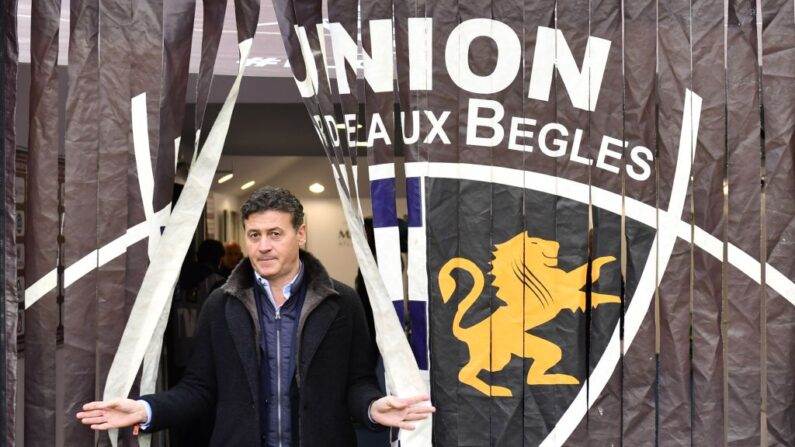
x=9 y=53
x=599 y=195
x=744 y=293
x=178 y=18
x=639 y=366
x=674 y=408
x=302 y=32
x=602 y=425
x=213 y=25
x=566 y=170
x=42 y=224
x=142 y=339
x=113 y=158
x=709 y=174
x=777 y=22
x=80 y=222
x=108 y=193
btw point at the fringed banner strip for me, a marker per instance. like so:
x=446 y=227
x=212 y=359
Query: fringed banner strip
x=42 y=224
x=743 y=126
x=80 y=222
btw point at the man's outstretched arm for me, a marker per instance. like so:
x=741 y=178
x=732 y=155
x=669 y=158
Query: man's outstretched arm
x=116 y=413
x=194 y=394
x=393 y=411
x=363 y=391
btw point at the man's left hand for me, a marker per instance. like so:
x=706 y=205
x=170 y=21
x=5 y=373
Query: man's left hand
x=392 y=411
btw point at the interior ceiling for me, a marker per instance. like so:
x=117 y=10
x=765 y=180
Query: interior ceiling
x=295 y=173
x=291 y=172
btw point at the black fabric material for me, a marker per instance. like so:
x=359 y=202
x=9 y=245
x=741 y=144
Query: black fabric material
x=335 y=375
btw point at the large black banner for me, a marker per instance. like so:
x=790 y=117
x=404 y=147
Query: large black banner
x=588 y=180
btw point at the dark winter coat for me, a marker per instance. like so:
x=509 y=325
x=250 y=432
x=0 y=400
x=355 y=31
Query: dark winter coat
x=335 y=373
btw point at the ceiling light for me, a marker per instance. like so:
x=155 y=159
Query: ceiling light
x=225 y=178
x=345 y=126
x=316 y=188
x=247 y=185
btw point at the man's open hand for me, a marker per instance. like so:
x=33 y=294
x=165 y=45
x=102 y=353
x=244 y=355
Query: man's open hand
x=391 y=411
x=116 y=413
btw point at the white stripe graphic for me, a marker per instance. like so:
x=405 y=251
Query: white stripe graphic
x=387 y=241
x=143 y=161
x=387 y=246
x=417 y=268
x=118 y=246
x=382 y=171
x=143 y=164
x=89 y=262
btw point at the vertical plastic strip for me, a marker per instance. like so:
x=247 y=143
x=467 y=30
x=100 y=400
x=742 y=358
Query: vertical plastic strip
x=42 y=224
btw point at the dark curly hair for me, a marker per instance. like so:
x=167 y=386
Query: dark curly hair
x=273 y=198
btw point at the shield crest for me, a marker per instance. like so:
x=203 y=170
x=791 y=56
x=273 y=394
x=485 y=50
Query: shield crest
x=522 y=307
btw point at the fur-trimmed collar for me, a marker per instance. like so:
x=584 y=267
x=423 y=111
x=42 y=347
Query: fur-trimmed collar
x=242 y=277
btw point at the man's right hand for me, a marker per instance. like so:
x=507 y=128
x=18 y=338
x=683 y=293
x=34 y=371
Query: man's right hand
x=116 y=413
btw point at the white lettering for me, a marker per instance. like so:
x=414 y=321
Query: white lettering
x=331 y=125
x=319 y=129
x=436 y=127
x=415 y=127
x=350 y=129
x=420 y=53
x=457 y=55
x=377 y=130
x=604 y=152
x=474 y=120
x=515 y=132
x=645 y=169
x=582 y=85
x=307 y=86
x=378 y=69
x=561 y=144
x=322 y=32
x=575 y=149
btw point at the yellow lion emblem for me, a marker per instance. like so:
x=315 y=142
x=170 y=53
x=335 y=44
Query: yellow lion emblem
x=535 y=290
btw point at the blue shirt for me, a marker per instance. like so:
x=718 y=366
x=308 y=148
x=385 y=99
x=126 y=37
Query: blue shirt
x=287 y=290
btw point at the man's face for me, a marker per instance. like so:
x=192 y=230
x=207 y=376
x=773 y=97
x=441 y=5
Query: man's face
x=272 y=245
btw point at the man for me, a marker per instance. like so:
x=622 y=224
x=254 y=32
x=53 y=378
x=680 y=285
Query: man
x=282 y=354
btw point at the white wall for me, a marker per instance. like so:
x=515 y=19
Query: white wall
x=229 y=203
x=328 y=237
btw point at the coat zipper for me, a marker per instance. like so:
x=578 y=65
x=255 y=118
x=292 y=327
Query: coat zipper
x=278 y=318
